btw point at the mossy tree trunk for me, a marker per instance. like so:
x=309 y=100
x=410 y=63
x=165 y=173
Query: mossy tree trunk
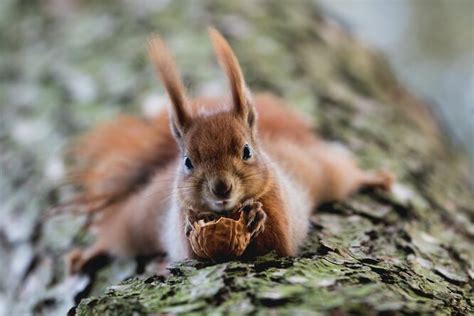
x=408 y=251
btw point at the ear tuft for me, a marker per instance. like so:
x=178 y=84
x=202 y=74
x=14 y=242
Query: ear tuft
x=166 y=69
x=231 y=67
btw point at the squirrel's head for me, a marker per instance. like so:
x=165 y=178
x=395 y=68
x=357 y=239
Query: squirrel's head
x=221 y=164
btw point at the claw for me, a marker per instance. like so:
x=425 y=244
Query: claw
x=256 y=217
x=247 y=206
x=193 y=217
x=188 y=228
x=250 y=223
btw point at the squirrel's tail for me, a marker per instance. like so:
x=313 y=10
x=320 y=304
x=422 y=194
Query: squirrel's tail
x=117 y=158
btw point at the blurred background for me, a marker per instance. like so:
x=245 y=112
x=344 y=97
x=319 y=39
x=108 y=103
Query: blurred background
x=66 y=65
x=430 y=45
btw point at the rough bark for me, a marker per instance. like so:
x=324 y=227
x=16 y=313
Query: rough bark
x=408 y=251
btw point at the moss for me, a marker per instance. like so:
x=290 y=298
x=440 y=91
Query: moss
x=408 y=252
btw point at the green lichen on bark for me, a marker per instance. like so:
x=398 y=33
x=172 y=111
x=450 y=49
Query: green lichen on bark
x=408 y=251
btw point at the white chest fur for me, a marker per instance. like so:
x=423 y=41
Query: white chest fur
x=298 y=205
x=174 y=240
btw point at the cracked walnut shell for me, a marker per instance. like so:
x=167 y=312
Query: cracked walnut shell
x=220 y=239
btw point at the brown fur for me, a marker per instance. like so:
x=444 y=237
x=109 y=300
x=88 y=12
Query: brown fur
x=141 y=164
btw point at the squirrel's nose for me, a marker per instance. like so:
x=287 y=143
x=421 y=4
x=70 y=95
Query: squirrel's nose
x=221 y=188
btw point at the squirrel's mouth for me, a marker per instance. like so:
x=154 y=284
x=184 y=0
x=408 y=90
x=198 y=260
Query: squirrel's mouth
x=221 y=206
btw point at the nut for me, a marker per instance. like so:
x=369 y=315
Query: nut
x=221 y=239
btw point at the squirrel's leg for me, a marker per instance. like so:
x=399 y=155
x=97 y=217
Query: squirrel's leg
x=112 y=240
x=270 y=228
x=378 y=179
x=343 y=175
x=77 y=258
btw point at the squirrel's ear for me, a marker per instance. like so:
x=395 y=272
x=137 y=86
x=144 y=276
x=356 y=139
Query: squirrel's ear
x=240 y=95
x=166 y=69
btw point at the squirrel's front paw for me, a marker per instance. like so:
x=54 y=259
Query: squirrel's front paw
x=256 y=217
x=193 y=216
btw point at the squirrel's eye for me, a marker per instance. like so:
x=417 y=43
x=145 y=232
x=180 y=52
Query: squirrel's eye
x=188 y=164
x=247 y=153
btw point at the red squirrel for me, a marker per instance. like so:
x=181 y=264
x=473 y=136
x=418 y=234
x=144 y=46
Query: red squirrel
x=139 y=177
